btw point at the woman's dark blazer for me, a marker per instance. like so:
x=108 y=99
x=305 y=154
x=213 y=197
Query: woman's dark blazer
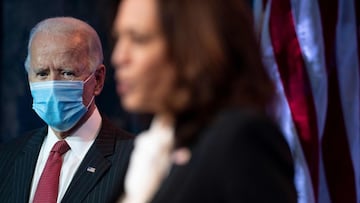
x=239 y=157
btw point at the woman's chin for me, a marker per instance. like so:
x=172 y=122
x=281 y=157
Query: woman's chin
x=133 y=106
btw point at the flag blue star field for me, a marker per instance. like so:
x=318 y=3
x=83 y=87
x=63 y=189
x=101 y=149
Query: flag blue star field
x=311 y=51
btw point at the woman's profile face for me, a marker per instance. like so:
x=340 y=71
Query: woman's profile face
x=142 y=70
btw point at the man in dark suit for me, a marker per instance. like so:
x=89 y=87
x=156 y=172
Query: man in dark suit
x=65 y=71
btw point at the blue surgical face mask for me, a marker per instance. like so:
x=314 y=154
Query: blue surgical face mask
x=59 y=103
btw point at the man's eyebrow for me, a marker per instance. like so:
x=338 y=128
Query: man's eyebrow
x=39 y=69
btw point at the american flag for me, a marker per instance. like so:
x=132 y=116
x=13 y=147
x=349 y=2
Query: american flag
x=311 y=50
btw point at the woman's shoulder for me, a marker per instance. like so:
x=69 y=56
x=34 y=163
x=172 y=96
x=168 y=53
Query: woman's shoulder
x=239 y=130
x=239 y=119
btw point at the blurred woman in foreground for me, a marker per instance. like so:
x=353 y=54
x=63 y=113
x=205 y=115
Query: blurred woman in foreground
x=196 y=66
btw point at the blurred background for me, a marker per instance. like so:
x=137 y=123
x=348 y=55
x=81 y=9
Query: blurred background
x=18 y=17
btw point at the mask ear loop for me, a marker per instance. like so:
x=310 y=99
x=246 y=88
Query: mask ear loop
x=93 y=97
x=88 y=78
x=91 y=101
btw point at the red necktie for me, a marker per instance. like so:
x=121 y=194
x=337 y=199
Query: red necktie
x=48 y=186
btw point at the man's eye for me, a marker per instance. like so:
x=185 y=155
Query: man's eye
x=68 y=74
x=42 y=74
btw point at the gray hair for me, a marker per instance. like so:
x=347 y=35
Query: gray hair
x=67 y=26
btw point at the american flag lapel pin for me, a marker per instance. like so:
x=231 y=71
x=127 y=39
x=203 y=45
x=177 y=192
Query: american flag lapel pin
x=91 y=169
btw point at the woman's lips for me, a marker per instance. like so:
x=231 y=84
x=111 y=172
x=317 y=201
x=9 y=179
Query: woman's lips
x=122 y=88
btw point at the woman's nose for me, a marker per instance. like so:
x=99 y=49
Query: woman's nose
x=120 y=56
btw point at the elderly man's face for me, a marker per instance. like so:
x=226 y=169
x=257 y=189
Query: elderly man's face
x=55 y=57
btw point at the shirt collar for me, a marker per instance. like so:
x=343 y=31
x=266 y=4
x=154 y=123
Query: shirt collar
x=81 y=140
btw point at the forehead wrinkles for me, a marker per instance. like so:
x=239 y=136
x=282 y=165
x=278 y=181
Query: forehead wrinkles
x=71 y=49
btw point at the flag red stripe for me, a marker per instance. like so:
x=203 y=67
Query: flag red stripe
x=337 y=160
x=296 y=83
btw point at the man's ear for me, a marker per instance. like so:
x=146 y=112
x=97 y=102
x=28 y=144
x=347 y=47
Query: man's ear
x=100 y=74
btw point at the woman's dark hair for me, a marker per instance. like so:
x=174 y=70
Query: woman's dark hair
x=218 y=62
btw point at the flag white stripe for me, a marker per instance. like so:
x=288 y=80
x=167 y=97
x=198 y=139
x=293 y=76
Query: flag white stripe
x=348 y=77
x=258 y=10
x=309 y=32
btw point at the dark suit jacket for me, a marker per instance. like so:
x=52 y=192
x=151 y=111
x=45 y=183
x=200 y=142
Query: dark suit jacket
x=239 y=157
x=109 y=155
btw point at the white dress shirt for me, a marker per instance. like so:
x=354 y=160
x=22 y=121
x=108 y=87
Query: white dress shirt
x=80 y=142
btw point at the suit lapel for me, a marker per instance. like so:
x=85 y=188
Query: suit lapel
x=93 y=167
x=25 y=166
